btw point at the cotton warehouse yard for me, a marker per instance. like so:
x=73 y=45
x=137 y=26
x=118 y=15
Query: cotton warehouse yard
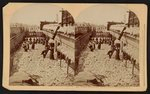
x=96 y=65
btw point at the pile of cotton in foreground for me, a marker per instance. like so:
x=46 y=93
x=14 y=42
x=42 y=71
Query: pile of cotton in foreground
x=98 y=63
x=48 y=71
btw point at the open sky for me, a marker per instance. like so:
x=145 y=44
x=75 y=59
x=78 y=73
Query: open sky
x=33 y=14
x=98 y=14
x=101 y=14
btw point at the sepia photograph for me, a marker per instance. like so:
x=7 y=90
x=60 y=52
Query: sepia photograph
x=94 y=47
x=107 y=46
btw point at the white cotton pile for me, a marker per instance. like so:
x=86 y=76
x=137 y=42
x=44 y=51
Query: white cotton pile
x=49 y=71
x=116 y=73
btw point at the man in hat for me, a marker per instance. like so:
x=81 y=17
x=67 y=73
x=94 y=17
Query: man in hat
x=117 y=45
x=52 y=44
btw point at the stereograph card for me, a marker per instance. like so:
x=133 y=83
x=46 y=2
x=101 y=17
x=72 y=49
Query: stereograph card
x=75 y=47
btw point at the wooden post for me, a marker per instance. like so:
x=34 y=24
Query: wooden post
x=68 y=64
x=60 y=59
x=133 y=62
x=76 y=66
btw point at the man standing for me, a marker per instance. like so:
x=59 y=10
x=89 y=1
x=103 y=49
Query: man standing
x=91 y=46
x=33 y=44
x=24 y=45
x=99 y=45
x=111 y=51
x=51 y=49
x=44 y=52
x=117 y=45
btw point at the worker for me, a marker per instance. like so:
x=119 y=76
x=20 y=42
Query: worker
x=117 y=45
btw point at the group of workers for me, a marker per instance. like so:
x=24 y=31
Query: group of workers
x=26 y=44
x=115 y=47
x=49 y=47
x=30 y=42
x=114 y=43
x=98 y=41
